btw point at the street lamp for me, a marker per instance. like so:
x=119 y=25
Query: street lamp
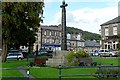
x=41 y=37
x=37 y=46
x=29 y=48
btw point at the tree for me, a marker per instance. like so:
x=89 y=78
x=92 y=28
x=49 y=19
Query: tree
x=17 y=19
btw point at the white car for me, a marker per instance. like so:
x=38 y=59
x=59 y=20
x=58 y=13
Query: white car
x=15 y=55
x=105 y=52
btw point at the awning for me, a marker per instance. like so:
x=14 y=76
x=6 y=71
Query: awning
x=52 y=45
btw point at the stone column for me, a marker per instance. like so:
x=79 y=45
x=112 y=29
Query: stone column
x=63 y=24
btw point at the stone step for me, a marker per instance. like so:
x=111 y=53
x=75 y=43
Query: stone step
x=57 y=59
x=54 y=62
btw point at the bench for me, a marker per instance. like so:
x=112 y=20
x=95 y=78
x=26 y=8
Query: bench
x=38 y=62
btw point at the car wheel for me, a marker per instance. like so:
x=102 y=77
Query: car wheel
x=110 y=55
x=99 y=55
x=19 y=58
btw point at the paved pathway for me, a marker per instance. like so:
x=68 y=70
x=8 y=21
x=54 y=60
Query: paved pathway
x=25 y=73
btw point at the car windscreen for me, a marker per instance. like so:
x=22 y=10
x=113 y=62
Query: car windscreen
x=14 y=54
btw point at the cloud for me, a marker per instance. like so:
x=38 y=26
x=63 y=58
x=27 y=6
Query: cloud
x=87 y=19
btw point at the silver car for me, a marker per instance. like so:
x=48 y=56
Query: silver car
x=15 y=55
x=105 y=52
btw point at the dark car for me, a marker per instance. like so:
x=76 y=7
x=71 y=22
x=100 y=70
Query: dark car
x=45 y=52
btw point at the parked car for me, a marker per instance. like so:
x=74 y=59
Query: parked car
x=95 y=53
x=45 y=52
x=15 y=54
x=105 y=52
x=91 y=53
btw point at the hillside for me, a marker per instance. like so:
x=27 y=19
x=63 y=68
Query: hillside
x=85 y=34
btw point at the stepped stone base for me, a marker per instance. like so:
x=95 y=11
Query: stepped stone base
x=58 y=59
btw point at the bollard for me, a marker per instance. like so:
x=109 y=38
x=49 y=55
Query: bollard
x=28 y=73
x=60 y=67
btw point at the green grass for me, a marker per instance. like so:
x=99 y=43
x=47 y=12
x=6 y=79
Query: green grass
x=14 y=63
x=48 y=72
x=106 y=61
x=11 y=73
x=44 y=72
x=14 y=79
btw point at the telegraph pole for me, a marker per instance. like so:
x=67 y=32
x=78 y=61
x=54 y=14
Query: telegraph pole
x=63 y=24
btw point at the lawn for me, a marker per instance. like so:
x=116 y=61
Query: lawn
x=106 y=60
x=14 y=63
x=53 y=73
x=48 y=73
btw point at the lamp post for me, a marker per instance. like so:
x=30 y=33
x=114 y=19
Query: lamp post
x=29 y=48
x=37 y=43
x=41 y=37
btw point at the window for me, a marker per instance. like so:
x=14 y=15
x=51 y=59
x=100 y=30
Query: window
x=45 y=40
x=78 y=37
x=68 y=36
x=106 y=32
x=50 y=40
x=60 y=34
x=105 y=46
x=55 y=33
x=106 y=51
x=115 y=30
x=50 y=33
x=44 y=32
x=114 y=46
x=101 y=51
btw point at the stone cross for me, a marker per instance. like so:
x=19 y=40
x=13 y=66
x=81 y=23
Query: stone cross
x=63 y=24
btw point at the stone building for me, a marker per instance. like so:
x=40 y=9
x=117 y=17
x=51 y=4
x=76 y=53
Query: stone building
x=52 y=36
x=75 y=41
x=109 y=32
x=49 y=36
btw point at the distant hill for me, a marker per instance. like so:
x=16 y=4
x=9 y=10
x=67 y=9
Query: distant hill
x=85 y=34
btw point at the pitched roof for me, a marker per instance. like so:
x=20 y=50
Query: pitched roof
x=115 y=20
x=91 y=44
x=51 y=27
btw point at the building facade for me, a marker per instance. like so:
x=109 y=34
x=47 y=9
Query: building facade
x=75 y=41
x=91 y=46
x=109 y=33
x=51 y=36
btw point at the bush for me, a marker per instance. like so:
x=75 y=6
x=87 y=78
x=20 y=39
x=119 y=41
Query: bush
x=82 y=54
x=107 y=72
x=73 y=57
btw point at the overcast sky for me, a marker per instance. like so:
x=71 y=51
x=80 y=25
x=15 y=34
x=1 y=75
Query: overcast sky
x=87 y=15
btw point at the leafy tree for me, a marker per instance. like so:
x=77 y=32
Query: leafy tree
x=17 y=20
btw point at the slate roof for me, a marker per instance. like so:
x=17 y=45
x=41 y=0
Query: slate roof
x=115 y=20
x=52 y=27
x=91 y=44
